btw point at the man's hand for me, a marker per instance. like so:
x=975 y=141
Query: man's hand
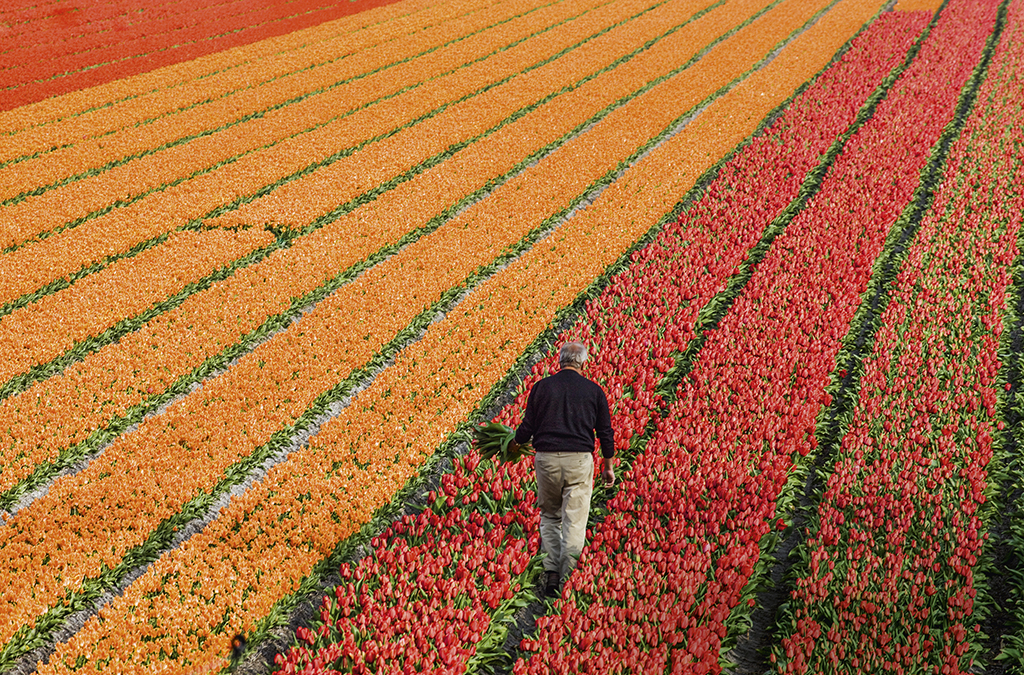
x=608 y=474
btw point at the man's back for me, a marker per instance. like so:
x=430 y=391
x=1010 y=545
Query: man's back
x=563 y=412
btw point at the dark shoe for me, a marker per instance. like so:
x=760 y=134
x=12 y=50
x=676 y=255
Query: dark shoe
x=551 y=586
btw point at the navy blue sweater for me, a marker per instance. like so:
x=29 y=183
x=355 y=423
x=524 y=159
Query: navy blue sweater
x=562 y=413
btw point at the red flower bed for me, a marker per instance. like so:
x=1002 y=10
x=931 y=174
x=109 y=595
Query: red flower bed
x=75 y=57
x=693 y=515
x=889 y=582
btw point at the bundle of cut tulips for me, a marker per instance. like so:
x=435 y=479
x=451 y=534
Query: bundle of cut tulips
x=498 y=440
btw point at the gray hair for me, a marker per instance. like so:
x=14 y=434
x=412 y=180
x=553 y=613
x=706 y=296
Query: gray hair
x=572 y=355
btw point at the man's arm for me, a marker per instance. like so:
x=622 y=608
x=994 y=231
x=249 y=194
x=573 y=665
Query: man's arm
x=608 y=471
x=526 y=428
x=605 y=434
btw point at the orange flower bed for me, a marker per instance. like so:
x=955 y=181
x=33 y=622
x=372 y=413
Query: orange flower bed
x=262 y=544
x=270 y=388
x=122 y=374
x=120 y=291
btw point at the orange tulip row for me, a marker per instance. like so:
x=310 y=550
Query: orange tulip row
x=47 y=328
x=51 y=546
x=123 y=374
x=286 y=105
x=265 y=541
x=92 y=112
x=316 y=195
x=382 y=154
x=167 y=188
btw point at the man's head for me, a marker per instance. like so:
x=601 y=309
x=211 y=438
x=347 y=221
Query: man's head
x=572 y=355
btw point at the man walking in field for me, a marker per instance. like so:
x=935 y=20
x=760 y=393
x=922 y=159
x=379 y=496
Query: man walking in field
x=564 y=411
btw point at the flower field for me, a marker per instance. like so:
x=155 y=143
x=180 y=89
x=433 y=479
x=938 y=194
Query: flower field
x=264 y=266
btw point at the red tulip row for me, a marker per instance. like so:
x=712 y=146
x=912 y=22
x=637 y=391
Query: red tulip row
x=1007 y=527
x=889 y=576
x=636 y=329
x=47 y=59
x=698 y=506
x=59 y=18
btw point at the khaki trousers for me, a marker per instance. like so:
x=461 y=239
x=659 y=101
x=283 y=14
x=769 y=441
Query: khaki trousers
x=565 y=483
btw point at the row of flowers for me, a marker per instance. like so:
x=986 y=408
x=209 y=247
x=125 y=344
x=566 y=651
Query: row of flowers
x=115 y=211
x=29 y=335
x=92 y=520
x=289 y=99
x=889 y=579
x=253 y=297
x=637 y=330
x=44 y=59
x=747 y=412
x=259 y=548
